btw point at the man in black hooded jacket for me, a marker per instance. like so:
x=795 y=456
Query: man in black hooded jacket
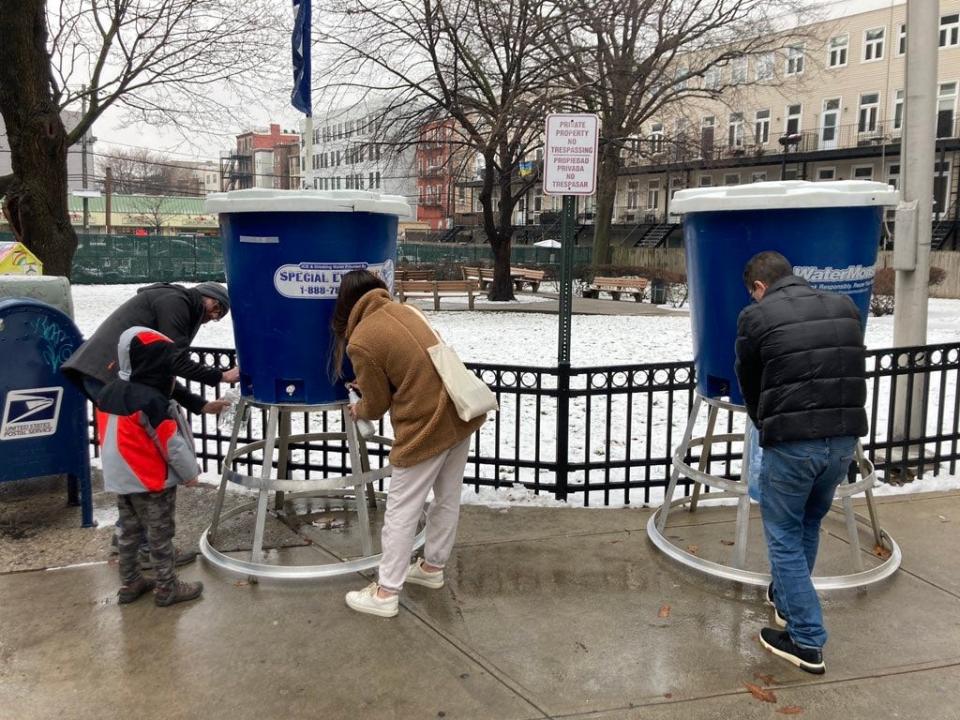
x=801 y=368
x=177 y=312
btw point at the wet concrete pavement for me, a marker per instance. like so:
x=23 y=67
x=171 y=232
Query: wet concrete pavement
x=546 y=613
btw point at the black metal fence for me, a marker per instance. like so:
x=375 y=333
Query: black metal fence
x=624 y=423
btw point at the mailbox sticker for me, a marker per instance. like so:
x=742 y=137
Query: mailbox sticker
x=321 y=281
x=31 y=413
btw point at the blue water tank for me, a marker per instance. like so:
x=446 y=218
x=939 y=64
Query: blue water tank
x=829 y=231
x=284 y=253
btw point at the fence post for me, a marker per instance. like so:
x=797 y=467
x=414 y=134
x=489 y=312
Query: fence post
x=563 y=430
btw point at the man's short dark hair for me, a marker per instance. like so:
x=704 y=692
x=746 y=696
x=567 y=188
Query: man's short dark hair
x=767 y=267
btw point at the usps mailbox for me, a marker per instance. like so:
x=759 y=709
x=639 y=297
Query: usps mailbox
x=43 y=430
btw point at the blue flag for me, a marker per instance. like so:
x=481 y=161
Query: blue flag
x=300 y=97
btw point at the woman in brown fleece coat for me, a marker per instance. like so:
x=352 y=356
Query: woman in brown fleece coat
x=387 y=345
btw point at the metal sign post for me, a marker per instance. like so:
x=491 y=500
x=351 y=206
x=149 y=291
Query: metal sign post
x=569 y=170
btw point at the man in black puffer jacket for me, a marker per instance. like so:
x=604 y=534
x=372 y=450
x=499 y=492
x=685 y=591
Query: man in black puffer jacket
x=801 y=368
x=177 y=312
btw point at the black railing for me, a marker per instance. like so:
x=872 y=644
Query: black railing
x=624 y=423
x=720 y=143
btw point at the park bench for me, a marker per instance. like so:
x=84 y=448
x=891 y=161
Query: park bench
x=518 y=276
x=522 y=276
x=482 y=276
x=437 y=289
x=617 y=287
x=404 y=274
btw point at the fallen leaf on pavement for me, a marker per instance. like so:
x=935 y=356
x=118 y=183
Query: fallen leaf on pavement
x=668 y=695
x=765 y=679
x=693 y=549
x=881 y=552
x=726 y=542
x=241 y=583
x=943 y=518
x=790 y=710
x=760 y=694
x=664 y=611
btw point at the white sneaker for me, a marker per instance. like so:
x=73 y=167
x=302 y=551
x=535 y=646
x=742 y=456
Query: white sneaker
x=366 y=601
x=418 y=576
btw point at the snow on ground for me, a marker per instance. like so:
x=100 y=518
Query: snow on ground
x=530 y=339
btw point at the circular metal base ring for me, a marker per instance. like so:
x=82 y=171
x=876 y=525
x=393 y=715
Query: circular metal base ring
x=288 y=572
x=749 y=577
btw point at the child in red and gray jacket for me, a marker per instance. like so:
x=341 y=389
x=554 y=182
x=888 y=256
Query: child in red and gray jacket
x=147 y=450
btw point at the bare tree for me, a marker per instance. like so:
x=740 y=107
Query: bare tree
x=150 y=212
x=142 y=171
x=476 y=62
x=161 y=60
x=631 y=60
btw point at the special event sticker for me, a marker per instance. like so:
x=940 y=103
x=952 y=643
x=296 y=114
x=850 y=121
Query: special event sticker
x=321 y=281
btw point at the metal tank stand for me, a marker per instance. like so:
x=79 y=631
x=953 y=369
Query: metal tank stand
x=354 y=490
x=738 y=489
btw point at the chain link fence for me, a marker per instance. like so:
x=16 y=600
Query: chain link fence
x=111 y=259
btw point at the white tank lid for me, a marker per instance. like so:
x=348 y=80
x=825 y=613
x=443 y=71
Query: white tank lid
x=269 y=200
x=785 y=194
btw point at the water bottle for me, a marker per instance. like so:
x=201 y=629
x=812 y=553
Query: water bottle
x=228 y=416
x=364 y=427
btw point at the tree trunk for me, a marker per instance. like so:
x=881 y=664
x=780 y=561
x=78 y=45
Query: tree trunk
x=35 y=198
x=498 y=230
x=606 y=196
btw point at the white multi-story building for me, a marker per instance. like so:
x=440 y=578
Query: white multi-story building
x=74 y=154
x=352 y=150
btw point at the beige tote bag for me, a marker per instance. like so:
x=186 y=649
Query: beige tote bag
x=470 y=395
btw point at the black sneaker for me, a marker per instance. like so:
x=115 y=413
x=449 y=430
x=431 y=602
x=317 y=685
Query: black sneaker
x=779 y=619
x=779 y=643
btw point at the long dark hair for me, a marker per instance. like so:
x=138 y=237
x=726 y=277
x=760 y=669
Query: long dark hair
x=353 y=286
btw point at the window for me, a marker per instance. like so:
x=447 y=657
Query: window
x=873 y=44
x=902 y=40
x=735 y=130
x=838 y=51
x=764 y=66
x=712 y=78
x=758 y=177
x=863 y=172
x=653 y=194
x=826 y=173
x=789 y=173
x=893 y=175
x=869 y=109
x=795 y=60
x=378 y=174
x=738 y=71
x=656 y=138
x=898 y=111
x=731 y=179
x=946 y=104
x=681 y=83
x=950 y=30
x=761 y=133
x=633 y=195
x=705 y=181
x=792 y=125
x=370 y=180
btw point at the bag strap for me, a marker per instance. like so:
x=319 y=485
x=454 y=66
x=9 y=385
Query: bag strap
x=426 y=322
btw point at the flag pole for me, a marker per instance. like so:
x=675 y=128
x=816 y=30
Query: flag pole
x=301 y=98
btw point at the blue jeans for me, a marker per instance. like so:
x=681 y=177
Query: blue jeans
x=797 y=483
